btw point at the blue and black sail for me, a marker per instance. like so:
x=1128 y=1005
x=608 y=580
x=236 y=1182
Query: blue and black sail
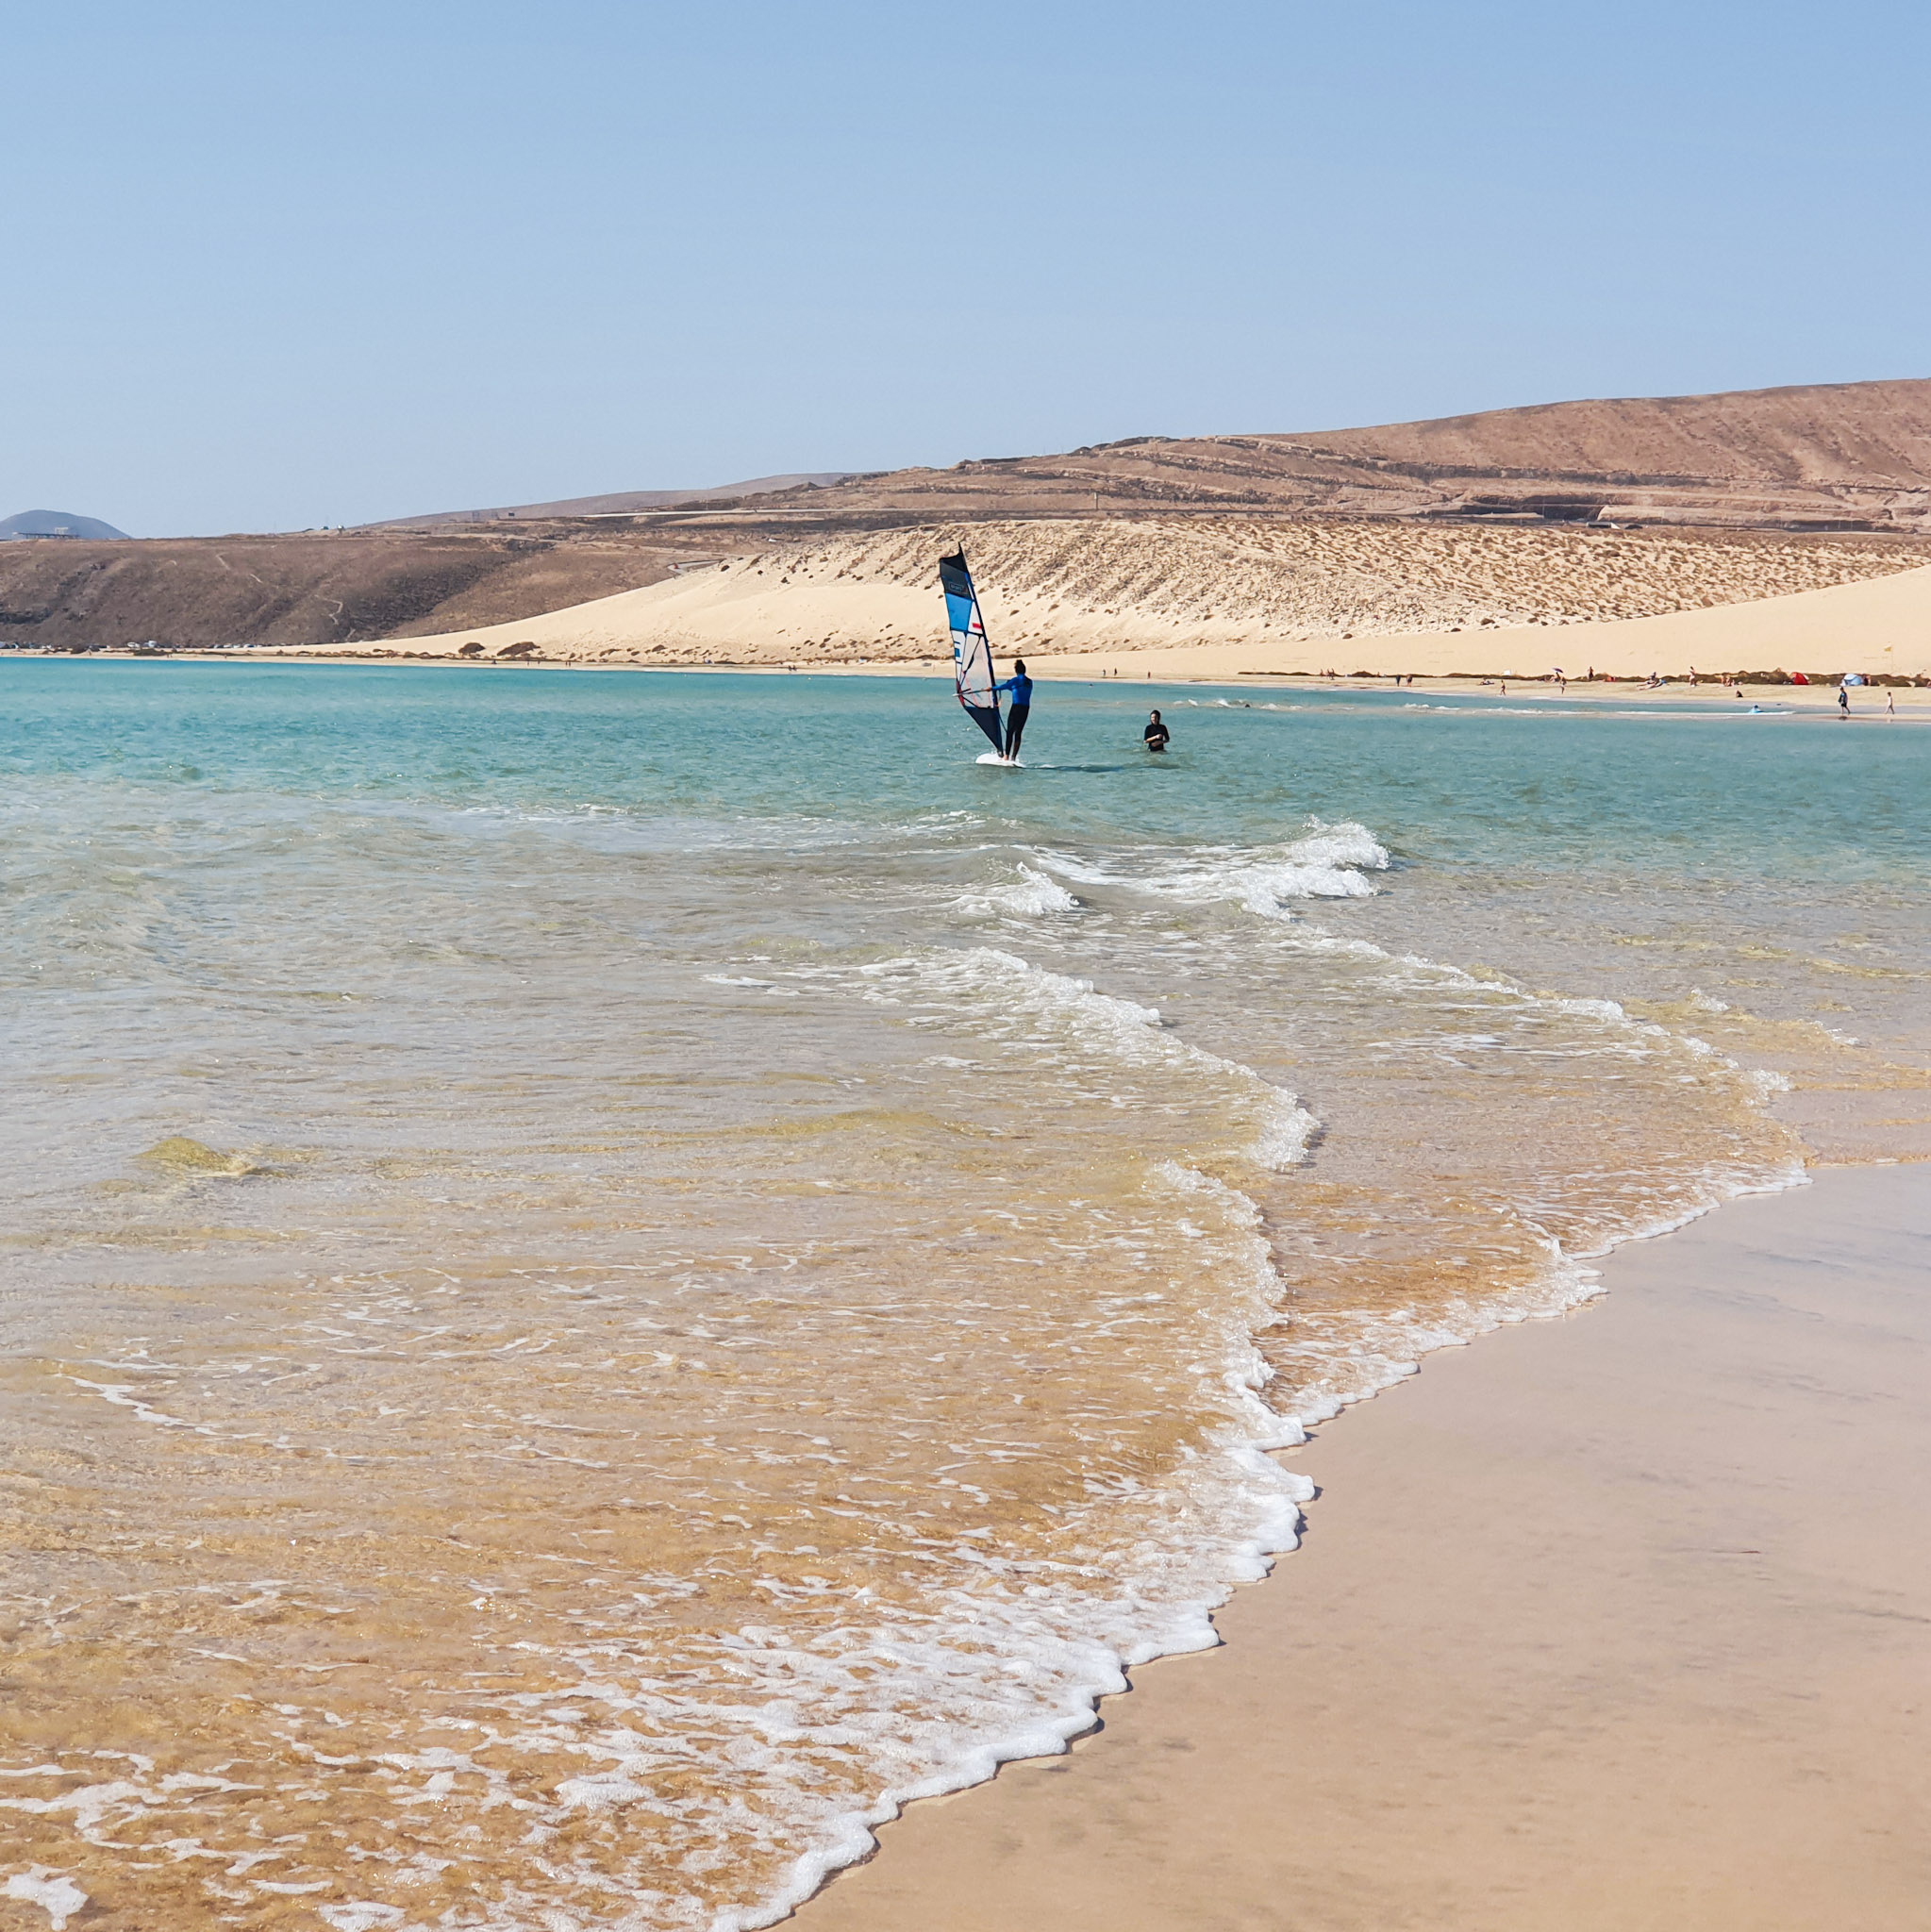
x=972 y=656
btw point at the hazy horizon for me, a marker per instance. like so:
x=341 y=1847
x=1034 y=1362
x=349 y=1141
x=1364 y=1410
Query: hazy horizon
x=290 y=273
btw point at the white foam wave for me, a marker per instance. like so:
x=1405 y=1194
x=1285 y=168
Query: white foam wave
x=1355 y=1357
x=55 y=1893
x=1034 y=895
x=985 y=981
x=1329 y=861
x=1218 y=1520
x=1380 y=1351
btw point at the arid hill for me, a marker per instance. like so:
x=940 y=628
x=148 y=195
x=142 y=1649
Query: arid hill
x=1836 y=456
x=623 y=503
x=1847 y=468
x=319 y=586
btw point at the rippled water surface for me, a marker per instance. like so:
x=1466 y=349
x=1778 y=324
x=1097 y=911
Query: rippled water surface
x=607 y=1274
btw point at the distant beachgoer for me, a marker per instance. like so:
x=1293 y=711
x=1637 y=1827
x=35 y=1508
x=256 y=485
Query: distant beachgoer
x=1891 y=704
x=1156 y=734
x=1843 y=700
x=1021 y=685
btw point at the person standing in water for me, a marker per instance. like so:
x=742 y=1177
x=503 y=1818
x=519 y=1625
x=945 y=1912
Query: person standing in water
x=1156 y=734
x=1021 y=685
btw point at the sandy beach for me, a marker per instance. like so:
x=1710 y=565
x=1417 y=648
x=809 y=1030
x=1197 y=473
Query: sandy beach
x=1612 y=1622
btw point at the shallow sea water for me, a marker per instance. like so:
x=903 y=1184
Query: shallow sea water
x=606 y=1274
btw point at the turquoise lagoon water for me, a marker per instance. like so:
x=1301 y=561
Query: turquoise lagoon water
x=609 y=1273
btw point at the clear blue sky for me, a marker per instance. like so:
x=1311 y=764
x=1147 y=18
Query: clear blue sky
x=271 y=266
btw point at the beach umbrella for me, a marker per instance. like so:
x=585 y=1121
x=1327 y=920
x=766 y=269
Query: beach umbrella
x=1856 y=678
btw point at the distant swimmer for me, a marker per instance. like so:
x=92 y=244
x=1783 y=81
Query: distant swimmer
x=1021 y=685
x=1156 y=734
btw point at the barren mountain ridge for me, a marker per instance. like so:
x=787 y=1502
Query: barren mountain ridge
x=1839 y=475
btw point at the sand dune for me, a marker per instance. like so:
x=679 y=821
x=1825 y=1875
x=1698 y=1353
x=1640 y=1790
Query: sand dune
x=1880 y=628
x=1217 y=595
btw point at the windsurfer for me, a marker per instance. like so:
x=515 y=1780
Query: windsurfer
x=1021 y=685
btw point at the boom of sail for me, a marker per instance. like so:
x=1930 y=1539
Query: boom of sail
x=972 y=656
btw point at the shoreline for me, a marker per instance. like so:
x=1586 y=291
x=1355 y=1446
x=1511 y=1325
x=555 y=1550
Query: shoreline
x=1696 y=1370
x=1793 y=699
x=1078 y=1724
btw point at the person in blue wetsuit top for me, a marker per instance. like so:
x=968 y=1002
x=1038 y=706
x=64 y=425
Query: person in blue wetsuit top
x=1021 y=685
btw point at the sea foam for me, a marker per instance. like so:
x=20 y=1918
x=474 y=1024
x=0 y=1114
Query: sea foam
x=1329 y=861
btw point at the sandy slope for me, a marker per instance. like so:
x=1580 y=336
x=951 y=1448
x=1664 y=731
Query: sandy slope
x=1881 y=628
x=1217 y=597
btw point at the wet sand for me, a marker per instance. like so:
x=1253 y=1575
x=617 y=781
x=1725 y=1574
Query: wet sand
x=1614 y=1623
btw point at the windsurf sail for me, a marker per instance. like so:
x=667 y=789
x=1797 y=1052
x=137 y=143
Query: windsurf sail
x=972 y=656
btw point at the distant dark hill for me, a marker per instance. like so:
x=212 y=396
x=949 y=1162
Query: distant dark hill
x=60 y=523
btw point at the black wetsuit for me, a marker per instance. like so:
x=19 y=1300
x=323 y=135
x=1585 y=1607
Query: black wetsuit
x=1022 y=688
x=1156 y=736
